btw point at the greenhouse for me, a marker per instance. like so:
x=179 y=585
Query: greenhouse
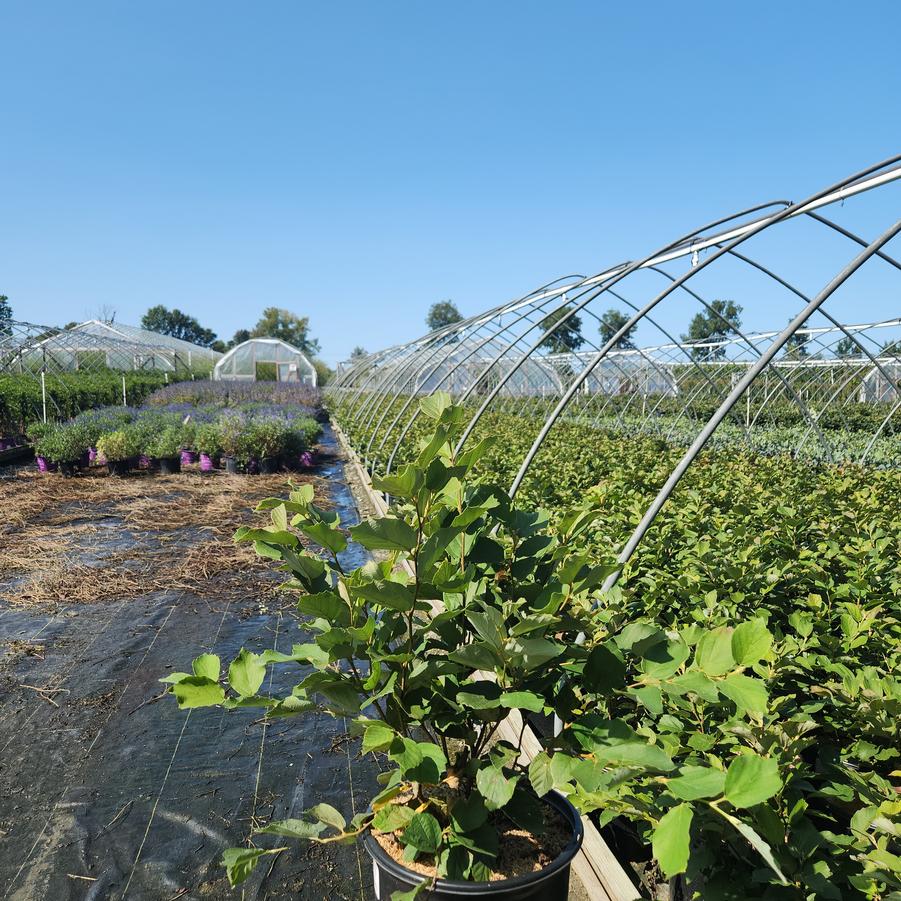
x=97 y=344
x=266 y=359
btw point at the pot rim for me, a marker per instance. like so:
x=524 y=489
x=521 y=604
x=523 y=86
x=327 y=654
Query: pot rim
x=464 y=887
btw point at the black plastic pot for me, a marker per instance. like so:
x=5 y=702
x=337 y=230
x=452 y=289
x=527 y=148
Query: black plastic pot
x=231 y=465
x=550 y=884
x=118 y=467
x=69 y=468
x=269 y=466
x=169 y=466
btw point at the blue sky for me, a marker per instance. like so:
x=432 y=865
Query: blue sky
x=355 y=162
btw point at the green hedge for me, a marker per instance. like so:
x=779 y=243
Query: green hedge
x=69 y=394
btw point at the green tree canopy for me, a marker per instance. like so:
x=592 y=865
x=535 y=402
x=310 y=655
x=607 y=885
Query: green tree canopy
x=442 y=314
x=278 y=323
x=177 y=325
x=568 y=336
x=358 y=353
x=6 y=316
x=716 y=323
x=239 y=337
x=797 y=345
x=611 y=322
x=847 y=347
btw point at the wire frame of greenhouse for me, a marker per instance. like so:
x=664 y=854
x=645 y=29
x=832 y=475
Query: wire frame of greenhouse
x=558 y=354
x=95 y=345
x=266 y=359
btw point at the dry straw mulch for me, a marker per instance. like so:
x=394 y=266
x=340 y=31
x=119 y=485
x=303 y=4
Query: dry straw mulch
x=96 y=538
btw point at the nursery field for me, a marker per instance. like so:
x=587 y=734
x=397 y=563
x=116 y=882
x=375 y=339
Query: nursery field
x=801 y=552
x=106 y=585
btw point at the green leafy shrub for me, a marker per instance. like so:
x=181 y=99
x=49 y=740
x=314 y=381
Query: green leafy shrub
x=429 y=662
x=122 y=444
x=166 y=443
x=208 y=439
x=62 y=443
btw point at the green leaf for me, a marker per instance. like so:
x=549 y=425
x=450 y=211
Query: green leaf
x=540 y=774
x=747 y=693
x=423 y=832
x=377 y=737
x=751 y=780
x=530 y=653
x=207 y=666
x=385 y=534
x=392 y=817
x=467 y=814
x=495 y=787
x=239 y=862
x=388 y=594
x=431 y=769
x=404 y=483
x=327 y=814
x=435 y=404
x=714 y=651
x=411 y=894
x=694 y=782
x=522 y=700
x=198 y=691
x=326 y=605
x=476 y=656
x=246 y=673
x=751 y=641
x=636 y=754
x=757 y=843
x=293 y=828
x=604 y=670
x=670 y=840
x=324 y=535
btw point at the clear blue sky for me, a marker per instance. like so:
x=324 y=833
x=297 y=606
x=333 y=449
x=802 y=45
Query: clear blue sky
x=355 y=162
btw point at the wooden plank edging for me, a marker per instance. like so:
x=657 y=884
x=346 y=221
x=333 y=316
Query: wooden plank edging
x=600 y=873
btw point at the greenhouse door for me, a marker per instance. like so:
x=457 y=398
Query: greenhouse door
x=287 y=372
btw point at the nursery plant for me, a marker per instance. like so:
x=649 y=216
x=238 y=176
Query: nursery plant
x=119 y=448
x=64 y=445
x=468 y=617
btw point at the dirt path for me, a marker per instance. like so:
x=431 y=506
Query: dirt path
x=106 y=792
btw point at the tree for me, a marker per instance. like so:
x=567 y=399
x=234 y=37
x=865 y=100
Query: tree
x=219 y=346
x=239 y=337
x=796 y=346
x=717 y=323
x=285 y=325
x=442 y=314
x=324 y=372
x=177 y=325
x=567 y=337
x=6 y=316
x=847 y=347
x=891 y=349
x=611 y=322
x=358 y=353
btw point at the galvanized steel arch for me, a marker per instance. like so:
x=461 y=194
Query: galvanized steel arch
x=500 y=360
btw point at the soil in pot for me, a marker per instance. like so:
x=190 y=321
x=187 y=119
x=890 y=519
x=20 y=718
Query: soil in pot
x=169 y=465
x=269 y=466
x=528 y=867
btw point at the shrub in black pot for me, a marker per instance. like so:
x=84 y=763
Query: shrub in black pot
x=165 y=449
x=120 y=450
x=465 y=625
